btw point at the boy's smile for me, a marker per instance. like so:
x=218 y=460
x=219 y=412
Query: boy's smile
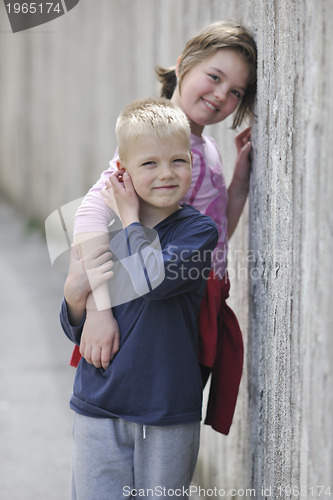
x=161 y=174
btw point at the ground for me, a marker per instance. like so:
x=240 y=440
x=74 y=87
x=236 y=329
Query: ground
x=35 y=376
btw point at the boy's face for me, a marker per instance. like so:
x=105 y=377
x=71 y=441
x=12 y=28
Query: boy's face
x=161 y=171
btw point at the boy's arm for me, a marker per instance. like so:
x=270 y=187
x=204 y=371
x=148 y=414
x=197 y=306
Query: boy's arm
x=84 y=274
x=76 y=289
x=239 y=186
x=100 y=335
x=158 y=273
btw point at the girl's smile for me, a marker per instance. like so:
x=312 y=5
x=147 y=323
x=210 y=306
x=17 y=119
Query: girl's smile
x=213 y=89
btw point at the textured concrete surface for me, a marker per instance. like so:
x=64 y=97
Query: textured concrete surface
x=290 y=347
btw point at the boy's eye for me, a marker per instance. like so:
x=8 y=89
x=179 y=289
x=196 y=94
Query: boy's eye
x=149 y=164
x=179 y=160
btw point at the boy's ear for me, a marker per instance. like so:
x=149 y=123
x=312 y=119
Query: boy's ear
x=120 y=165
x=177 y=66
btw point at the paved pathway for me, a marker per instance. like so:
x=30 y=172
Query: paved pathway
x=35 y=378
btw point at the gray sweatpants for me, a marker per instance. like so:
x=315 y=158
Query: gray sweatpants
x=114 y=459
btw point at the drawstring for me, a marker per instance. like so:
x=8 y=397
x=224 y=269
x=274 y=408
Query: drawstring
x=144 y=427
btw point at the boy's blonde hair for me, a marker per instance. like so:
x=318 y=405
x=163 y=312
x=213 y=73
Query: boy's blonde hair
x=216 y=36
x=157 y=117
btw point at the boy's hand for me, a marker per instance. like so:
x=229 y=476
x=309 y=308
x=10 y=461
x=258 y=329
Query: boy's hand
x=100 y=338
x=125 y=196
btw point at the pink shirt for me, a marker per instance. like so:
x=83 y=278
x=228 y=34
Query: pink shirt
x=208 y=194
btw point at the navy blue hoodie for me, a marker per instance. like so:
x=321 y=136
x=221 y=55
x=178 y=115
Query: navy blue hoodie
x=155 y=378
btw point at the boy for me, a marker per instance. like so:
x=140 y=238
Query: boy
x=137 y=423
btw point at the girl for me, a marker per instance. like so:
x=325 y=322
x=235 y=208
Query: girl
x=214 y=77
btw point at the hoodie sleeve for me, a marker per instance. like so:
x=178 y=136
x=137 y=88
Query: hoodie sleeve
x=160 y=271
x=72 y=332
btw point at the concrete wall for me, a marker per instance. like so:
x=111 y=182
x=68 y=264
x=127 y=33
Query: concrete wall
x=62 y=86
x=290 y=378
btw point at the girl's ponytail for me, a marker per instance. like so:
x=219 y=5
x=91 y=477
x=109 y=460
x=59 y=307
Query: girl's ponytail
x=168 y=80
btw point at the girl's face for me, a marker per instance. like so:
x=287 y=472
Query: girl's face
x=212 y=89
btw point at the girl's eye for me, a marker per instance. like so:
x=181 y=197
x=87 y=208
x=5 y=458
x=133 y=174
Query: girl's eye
x=215 y=78
x=237 y=94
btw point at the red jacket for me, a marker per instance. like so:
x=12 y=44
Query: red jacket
x=221 y=348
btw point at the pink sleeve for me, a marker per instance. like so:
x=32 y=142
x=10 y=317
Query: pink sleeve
x=93 y=214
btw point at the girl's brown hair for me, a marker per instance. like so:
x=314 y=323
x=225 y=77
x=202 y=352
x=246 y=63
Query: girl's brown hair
x=216 y=36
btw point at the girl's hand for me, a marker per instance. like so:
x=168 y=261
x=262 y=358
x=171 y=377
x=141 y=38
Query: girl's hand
x=243 y=164
x=239 y=186
x=126 y=198
x=86 y=273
